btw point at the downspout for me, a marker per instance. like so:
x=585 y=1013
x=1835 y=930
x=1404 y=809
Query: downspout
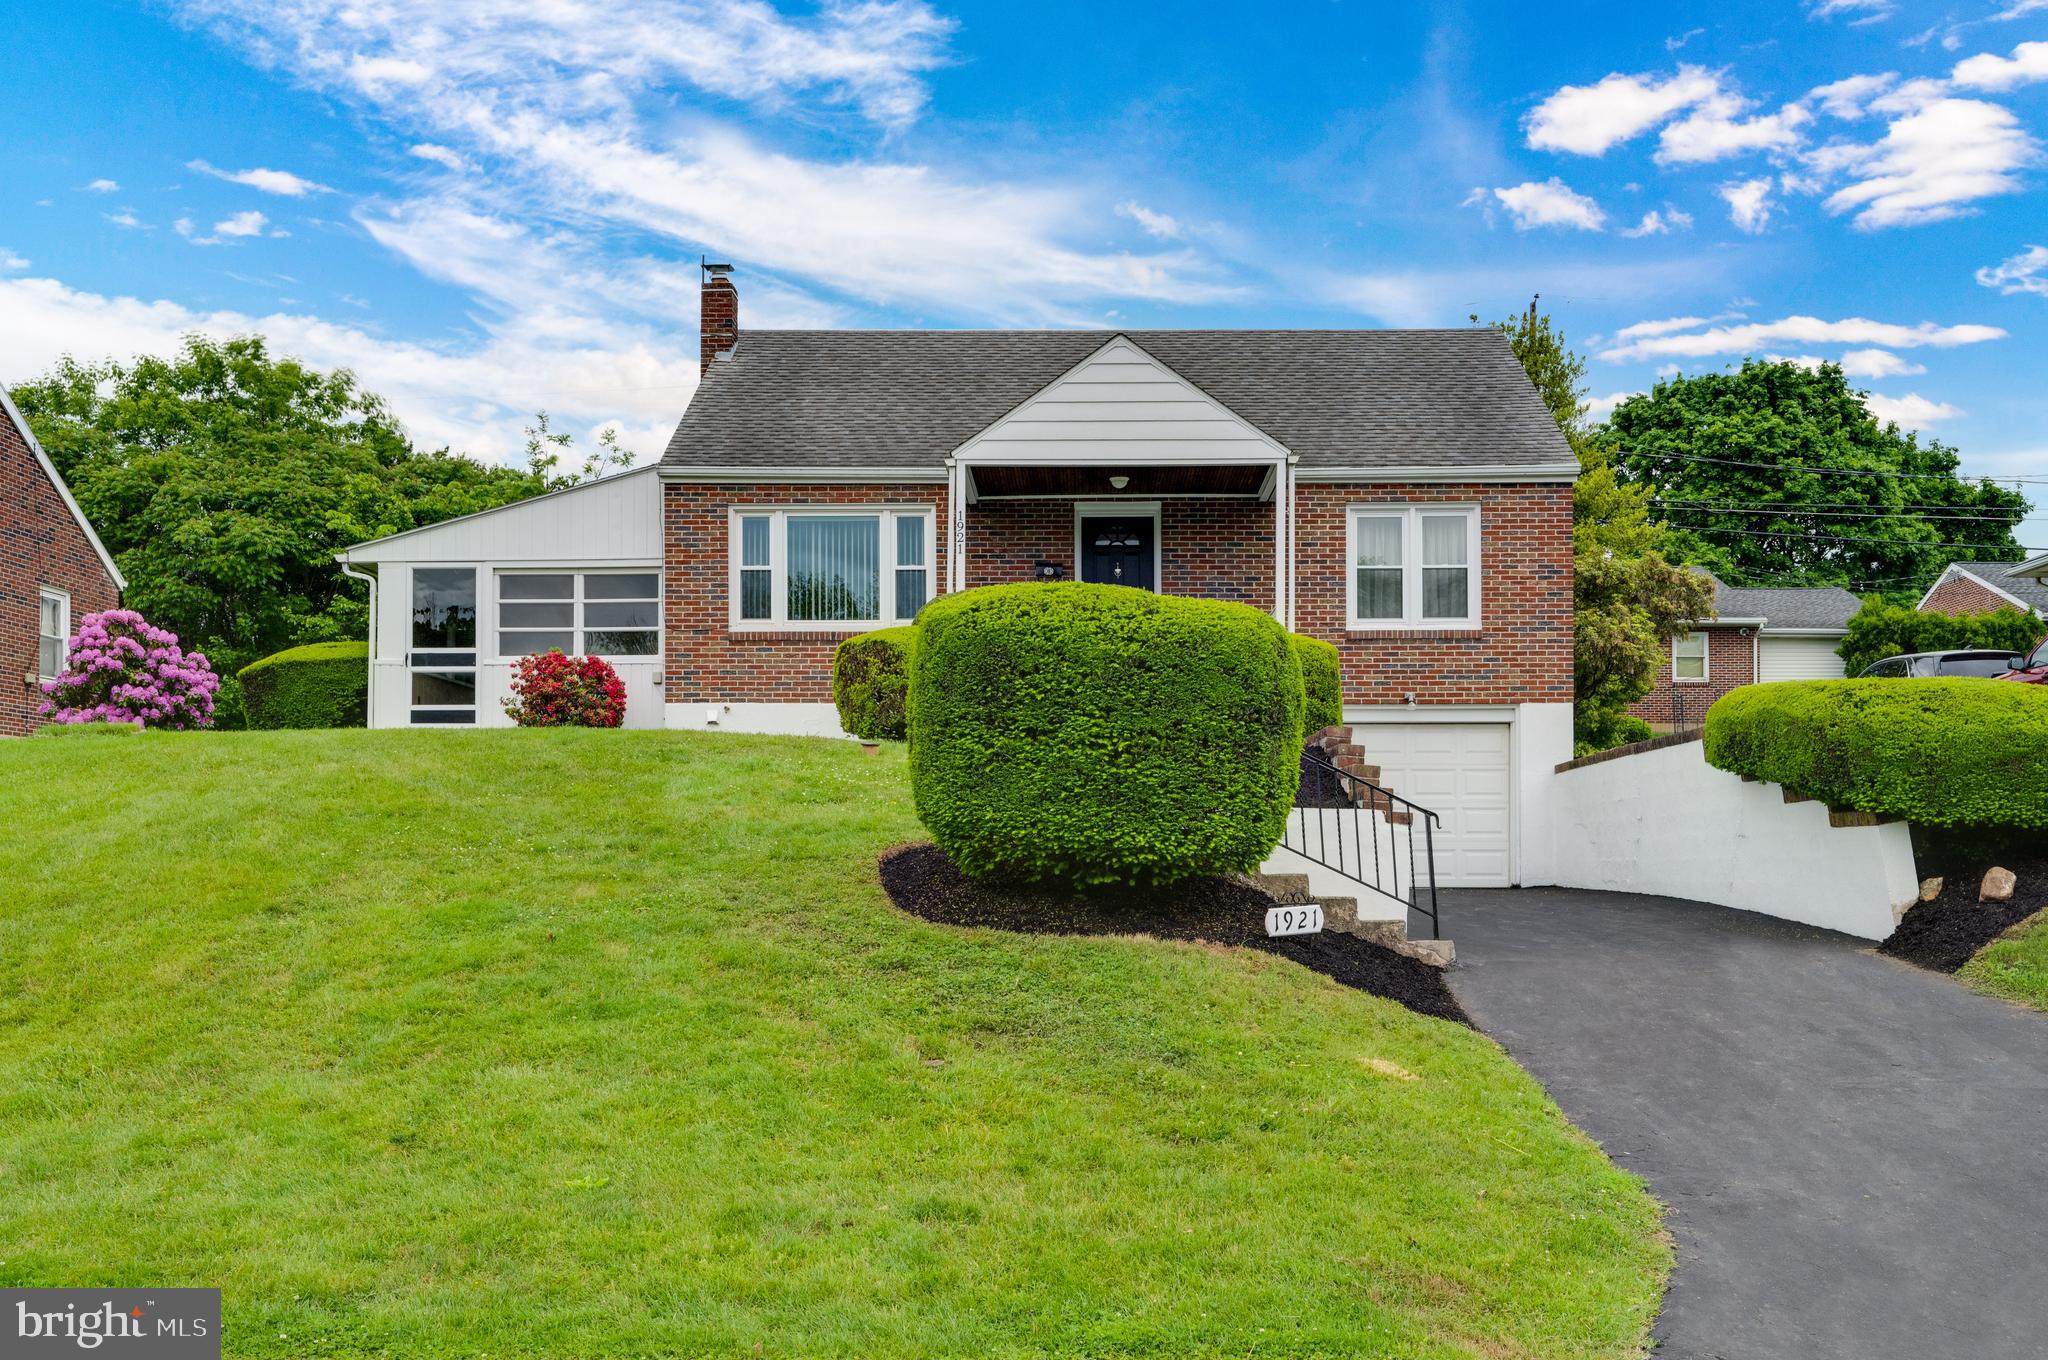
x=369 y=662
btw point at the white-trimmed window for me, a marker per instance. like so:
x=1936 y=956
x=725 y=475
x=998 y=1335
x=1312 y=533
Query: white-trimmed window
x=53 y=629
x=830 y=568
x=1412 y=566
x=1689 y=658
x=582 y=613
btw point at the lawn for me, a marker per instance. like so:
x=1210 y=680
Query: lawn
x=2015 y=965
x=601 y=1044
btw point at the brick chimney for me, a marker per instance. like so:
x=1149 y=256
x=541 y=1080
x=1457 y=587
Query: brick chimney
x=719 y=314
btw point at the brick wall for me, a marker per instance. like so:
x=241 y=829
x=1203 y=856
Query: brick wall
x=1962 y=594
x=1731 y=663
x=706 y=660
x=40 y=545
x=1214 y=549
x=1522 y=651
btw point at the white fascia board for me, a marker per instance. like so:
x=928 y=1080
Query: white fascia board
x=1429 y=713
x=1729 y=623
x=803 y=474
x=28 y=437
x=1768 y=631
x=1532 y=472
x=346 y=554
x=2036 y=567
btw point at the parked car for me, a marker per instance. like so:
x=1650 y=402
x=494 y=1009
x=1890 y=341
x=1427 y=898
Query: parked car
x=1921 y=665
x=2033 y=670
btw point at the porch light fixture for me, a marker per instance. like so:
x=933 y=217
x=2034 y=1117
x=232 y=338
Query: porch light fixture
x=1118 y=483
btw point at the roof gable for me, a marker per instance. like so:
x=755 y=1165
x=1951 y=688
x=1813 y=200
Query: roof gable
x=28 y=437
x=2027 y=592
x=1123 y=405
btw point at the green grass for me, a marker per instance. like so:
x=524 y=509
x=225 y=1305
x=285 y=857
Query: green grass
x=595 y=1044
x=2015 y=965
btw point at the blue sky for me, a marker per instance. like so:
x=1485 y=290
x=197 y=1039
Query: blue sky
x=485 y=207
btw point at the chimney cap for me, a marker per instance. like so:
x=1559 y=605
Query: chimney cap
x=712 y=268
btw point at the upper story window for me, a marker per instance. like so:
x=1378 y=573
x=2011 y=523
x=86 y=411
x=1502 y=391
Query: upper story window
x=1413 y=567
x=53 y=629
x=1689 y=656
x=851 y=569
x=581 y=613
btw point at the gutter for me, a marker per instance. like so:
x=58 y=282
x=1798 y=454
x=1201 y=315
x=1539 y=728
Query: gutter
x=369 y=661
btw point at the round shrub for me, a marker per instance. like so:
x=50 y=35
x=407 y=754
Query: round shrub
x=1094 y=735
x=553 y=690
x=1321 y=682
x=1950 y=753
x=322 y=684
x=121 y=668
x=871 y=683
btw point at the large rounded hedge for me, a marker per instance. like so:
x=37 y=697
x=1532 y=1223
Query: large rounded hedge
x=871 y=683
x=1092 y=735
x=1321 y=682
x=1949 y=753
x=322 y=684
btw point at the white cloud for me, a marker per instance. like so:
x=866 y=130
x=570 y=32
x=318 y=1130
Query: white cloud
x=9 y=260
x=1660 y=222
x=439 y=155
x=1154 y=223
x=103 y=186
x=268 y=181
x=1674 y=43
x=236 y=227
x=1914 y=95
x=126 y=220
x=2019 y=10
x=1550 y=204
x=373 y=74
x=1864 y=11
x=1878 y=363
x=1715 y=130
x=1930 y=165
x=2026 y=272
x=2027 y=64
x=1749 y=203
x=1599 y=408
x=1588 y=119
x=1693 y=338
x=1848 y=98
x=1911 y=411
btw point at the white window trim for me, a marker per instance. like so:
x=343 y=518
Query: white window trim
x=577 y=628
x=1129 y=510
x=1706 y=658
x=1410 y=514
x=63 y=601
x=778 y=567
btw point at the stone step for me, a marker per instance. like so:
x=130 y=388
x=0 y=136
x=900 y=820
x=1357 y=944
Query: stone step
x=1341 y=914
x=1284 y=888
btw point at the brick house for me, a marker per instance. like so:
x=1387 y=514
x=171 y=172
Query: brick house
x=1980 y=587
x=1760 y=633
x=1402 y=494
x=53 y=571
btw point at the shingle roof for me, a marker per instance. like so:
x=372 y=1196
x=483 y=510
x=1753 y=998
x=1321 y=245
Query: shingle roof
x=2029 y=588
x=1367 y=399
x=1786 y=606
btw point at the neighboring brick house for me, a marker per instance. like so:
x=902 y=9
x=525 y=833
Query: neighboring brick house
x=1403 y=494
x=53 y=571
x=1980 y=587
x=1760 y=633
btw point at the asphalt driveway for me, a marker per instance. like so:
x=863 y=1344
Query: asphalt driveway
x=1855 y=1152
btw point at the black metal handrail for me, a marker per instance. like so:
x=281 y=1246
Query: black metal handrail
x=1329 y=799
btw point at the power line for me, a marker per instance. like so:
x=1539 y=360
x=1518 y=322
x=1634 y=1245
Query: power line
x=1837 y=472
x=1792 y=511
x=1846 y=538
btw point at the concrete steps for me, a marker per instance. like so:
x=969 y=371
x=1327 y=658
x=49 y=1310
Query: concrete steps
x=1340 y=914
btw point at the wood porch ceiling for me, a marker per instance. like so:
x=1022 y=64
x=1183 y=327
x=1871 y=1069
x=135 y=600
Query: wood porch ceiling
x=1208 y=480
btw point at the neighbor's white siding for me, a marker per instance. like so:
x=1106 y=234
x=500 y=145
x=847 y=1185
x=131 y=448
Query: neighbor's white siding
x=1120 y=405
x=1797 y=658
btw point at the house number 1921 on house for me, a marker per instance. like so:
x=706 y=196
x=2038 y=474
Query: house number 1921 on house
x=1296 y=920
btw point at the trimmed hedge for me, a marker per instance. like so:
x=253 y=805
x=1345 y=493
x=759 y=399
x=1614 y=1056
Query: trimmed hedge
x=1878 y=630
x=322 y=684
x=1321 y=682
x=1950 y=753
x=1092 y=735
x=871 y=683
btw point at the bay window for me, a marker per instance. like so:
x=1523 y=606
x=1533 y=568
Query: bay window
x=1412 y=566
x=802 y=568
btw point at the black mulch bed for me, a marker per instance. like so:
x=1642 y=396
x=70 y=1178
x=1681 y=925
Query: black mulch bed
x=1946 y=933
x=922 y=881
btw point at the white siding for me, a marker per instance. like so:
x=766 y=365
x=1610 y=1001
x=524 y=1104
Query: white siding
x=1797 y=658
x=615 y=519
x=1121 y=405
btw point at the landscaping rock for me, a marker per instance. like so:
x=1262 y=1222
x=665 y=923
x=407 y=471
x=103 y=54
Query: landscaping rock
x=1930 y=888
x=1998 y=885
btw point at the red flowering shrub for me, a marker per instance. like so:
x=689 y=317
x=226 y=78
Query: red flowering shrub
x=553 y=690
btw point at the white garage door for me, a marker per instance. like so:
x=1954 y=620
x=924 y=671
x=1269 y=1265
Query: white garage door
x=1785 y=658
x=1460 y=772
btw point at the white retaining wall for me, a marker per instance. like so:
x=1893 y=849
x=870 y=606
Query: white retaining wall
x=1665 y=822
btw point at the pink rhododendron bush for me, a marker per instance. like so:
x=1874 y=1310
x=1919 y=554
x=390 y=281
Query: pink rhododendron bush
x=553 y=690
x=122 y=668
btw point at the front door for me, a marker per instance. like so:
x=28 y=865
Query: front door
x=1119 y=550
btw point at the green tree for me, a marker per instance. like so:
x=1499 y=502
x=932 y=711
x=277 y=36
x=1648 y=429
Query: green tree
x=1628 y=598
x=224 y=480
x=1882 y=628
x=1778 y=474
